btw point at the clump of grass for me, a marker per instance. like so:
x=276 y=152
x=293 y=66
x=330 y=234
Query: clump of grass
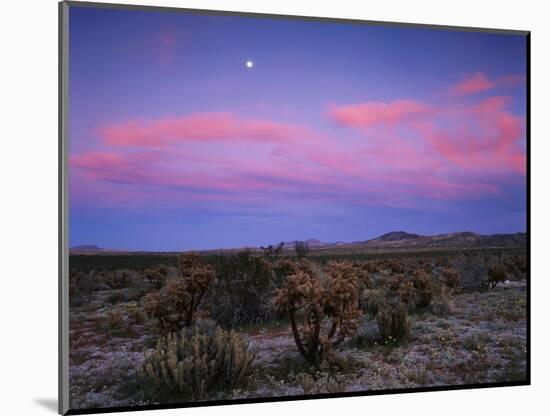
x=476 y=341
x=393 y=322
x=321 y=383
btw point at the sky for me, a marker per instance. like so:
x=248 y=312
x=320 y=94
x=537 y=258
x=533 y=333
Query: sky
x=335 y=131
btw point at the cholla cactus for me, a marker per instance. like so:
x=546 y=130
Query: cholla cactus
x=361 y=270
x=396 y=266
x=424 y=288
x=451 y=278
x=116 y=280
x=283 y=268
x=156 y=276
x=186 y=262
x=327 y=303
x=371 y=266
x=407 y=293
x=197 y=278
x=193 y=363
x=401 y=288
x=176 y=303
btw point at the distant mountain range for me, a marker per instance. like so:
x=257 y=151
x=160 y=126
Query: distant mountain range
x=404 y=239
x=88 y=247
x=461 y=239
x=394 y=239
x=92 y=249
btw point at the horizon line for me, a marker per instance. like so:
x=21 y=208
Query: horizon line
x=245 y=247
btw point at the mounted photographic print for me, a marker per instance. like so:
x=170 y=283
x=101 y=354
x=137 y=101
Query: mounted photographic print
x=262 y=207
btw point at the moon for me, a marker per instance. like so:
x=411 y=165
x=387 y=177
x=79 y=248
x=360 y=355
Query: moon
x=249 y=64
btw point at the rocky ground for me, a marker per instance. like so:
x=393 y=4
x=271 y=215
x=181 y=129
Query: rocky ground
x=482 y=340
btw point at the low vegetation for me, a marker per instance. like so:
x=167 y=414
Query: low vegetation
x=194 y=362
x=176 y=303
x=326 y=303
x=272 y=322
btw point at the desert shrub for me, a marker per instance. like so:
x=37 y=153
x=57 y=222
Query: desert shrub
x=424 y=287
x=282 y=269
x=396 y=287
x=413 y=291
x=163 y=309
x=73 y=287
x=472 y=269
x=476 y=341
x=371 y=267
x=301 y=248
x=333 y=384
x=117 y=279
x=137 y=290
x=176 y=303
x=513 y=271
x=372 y=299
x=116 y=296
x=135 y=314
x=114 y=318
x=173 y=306
x=378 y=281
x=321 y=383
x=326 y=302
x=495 y=274
x=156 y=275
x=362 y=272
x=396 y=266
x=187 y=261
x=512 y=313
x=451 y=278
x=406 y=293
x=393 y=322
x=442 y=303
x=443 y=262
x=363 y=282
x=243 y=290
x=520 y=263
x=89 y=282
x=195 y=362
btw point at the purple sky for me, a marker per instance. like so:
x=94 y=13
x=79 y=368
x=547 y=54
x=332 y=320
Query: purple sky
x=337 y=132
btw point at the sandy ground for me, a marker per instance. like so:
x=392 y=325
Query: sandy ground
x=482 y=340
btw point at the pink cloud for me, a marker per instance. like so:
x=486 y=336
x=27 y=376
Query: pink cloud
x=200 y=127
x=401 y=150
x=388 y=175
x=485 y=137
x=222 y=175
x=479 y=82
x=369 y=114
x=482 y=137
